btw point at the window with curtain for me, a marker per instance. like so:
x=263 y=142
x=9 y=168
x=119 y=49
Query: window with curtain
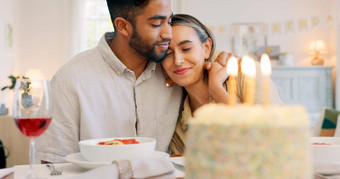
x=90 y=20
x=96 y=21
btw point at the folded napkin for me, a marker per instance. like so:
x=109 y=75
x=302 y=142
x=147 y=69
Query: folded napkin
x=6 y=171
x=142 y=168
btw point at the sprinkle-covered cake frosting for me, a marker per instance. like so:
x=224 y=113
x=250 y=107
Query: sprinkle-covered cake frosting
x=248 y=142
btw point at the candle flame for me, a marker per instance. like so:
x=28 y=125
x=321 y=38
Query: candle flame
x=232 y=66
x=265 y=65
x=248 y=66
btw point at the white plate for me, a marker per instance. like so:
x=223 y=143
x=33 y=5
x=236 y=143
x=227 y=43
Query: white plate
x=178 y=160
x=326 y=153
x=327 y=140
x=77 y=159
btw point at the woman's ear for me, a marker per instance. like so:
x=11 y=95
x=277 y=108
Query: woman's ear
x=124 y=27
x=207 y=48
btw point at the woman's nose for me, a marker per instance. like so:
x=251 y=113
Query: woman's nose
x=178 y=59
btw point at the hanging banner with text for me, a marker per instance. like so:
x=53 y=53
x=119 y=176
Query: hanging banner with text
x=286 y=27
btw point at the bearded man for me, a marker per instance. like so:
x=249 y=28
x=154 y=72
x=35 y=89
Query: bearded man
x=116 y=89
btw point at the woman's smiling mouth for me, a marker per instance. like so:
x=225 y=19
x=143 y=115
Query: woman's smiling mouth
x=181 y=71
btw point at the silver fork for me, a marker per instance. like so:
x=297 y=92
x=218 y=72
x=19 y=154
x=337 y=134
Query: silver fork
x=55 y=170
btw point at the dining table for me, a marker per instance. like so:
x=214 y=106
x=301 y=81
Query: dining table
x=71 y=170
x=325 y=158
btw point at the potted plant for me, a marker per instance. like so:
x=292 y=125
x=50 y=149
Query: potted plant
x=27 y=98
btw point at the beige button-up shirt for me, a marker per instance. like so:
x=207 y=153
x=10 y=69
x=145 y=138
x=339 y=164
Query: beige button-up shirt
x=96 y=96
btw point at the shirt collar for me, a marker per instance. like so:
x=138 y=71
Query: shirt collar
x=109 y=57
x=112 y=60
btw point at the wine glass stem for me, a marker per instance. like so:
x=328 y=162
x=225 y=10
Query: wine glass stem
x=32 y=153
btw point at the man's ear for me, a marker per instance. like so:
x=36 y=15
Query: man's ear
x=124 y=27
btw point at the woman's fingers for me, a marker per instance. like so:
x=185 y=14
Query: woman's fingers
x=217 y=73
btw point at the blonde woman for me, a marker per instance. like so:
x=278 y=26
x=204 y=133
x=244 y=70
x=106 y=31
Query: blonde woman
x=191 y=46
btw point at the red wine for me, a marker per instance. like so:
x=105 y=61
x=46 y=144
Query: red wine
x=32 y=127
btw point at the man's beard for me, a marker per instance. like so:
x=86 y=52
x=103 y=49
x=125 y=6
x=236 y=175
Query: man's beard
x=145 y=50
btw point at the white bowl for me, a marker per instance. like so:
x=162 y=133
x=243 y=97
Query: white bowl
x=326 y=153
x=91 y=151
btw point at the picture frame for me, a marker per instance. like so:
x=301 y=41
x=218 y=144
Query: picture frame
x=272 y=51
x=247 y=38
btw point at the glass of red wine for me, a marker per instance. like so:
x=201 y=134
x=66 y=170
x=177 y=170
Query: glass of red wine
x=32 y=112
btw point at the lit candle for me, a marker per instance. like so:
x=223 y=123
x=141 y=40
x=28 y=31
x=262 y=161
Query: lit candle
x=266 y=72
x=232 y=70
x=249 y=70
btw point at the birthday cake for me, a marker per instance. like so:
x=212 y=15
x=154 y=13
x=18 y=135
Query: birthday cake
x=248 y=142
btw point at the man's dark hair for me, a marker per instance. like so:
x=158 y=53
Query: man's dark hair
x=127 y=9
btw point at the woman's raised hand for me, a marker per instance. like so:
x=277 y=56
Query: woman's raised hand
x=218 y=71
x=217 y=76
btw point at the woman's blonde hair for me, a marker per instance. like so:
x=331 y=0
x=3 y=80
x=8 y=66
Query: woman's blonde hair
x=202 y=31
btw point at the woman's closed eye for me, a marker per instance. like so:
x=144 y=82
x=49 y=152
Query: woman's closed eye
x=186 y=45
x=186 y=49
